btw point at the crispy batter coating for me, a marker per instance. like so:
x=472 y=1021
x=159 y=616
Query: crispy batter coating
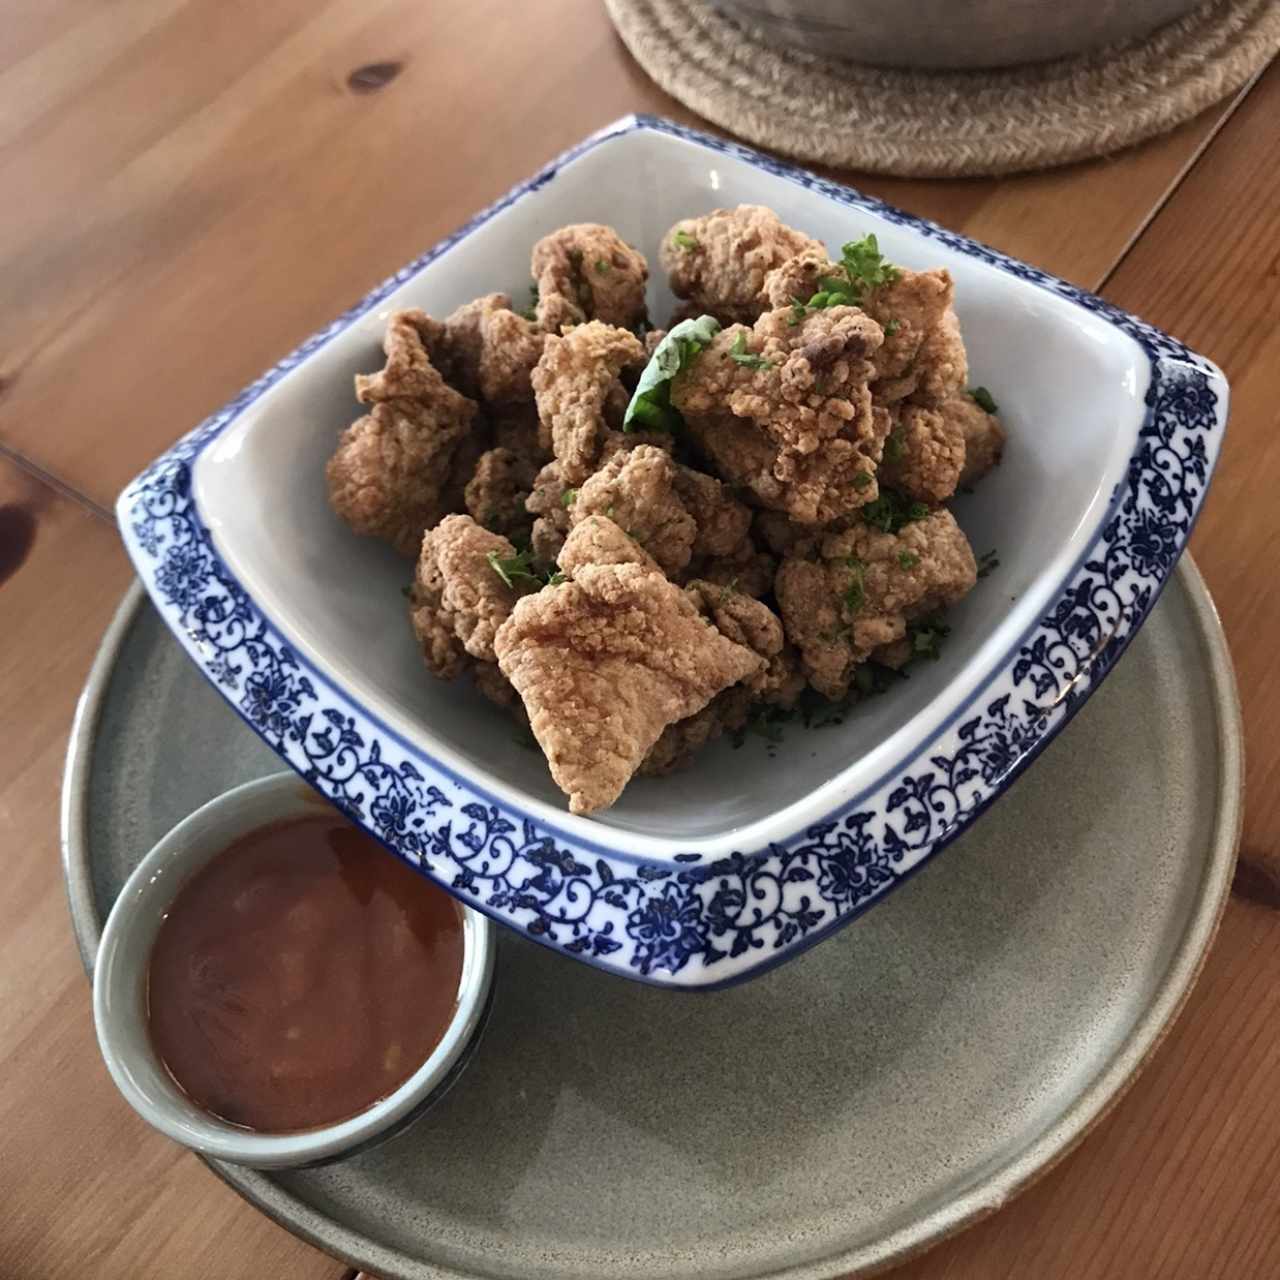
x=910 y=308
x=548 y=503
x=572 y=382
x=983 y=436
x=588 y=272
x=784 y=409
x=864 y=588
x=485 y=350
x=675 y=513
x=636 y=489
x=597 y=540
x=390 y=476
x=498 y=489
x=603 y=664
x=458 y=601
x=778 y=683
x=942 y=367
x=924 y=455
x=719 y=262
x=747 y=568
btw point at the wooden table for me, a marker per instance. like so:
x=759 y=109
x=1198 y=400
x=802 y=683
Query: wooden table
x=192 y=186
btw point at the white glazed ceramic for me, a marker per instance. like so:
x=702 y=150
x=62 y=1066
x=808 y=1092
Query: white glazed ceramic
x=120 y=1002
x=703 y=878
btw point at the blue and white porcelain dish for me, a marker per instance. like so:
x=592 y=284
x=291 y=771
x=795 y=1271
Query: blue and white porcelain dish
x=753 y=854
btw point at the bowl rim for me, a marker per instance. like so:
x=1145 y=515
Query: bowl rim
x=154 y=883
x=1041 y=681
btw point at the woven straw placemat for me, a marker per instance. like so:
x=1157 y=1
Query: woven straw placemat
x=946 y=123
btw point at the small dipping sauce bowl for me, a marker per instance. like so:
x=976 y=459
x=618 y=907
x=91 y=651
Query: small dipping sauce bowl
x=123 y=968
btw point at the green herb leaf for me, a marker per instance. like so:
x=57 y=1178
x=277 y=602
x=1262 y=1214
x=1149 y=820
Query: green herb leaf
x=683 y=240
x=890 y=511
x=986 y=563
x=890 y=328
x=855 y=594
x=982 y=397
x=602 y=266
x=739 y=353
x=568 y=497
x=866 y=266
x=514 y=569
x=798 y=313
x=908 y=559
x=557 y=578
x=862 y=479
x=651 y=401
x=895 y=447
x=818 y=301
x=927 y=637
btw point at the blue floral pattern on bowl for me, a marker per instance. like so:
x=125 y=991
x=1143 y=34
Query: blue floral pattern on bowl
x=689 y=921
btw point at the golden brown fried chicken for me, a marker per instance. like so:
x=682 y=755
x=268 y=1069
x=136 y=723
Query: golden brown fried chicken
x=486 y=350
x=458 y=600
x=778 y=683
x=588 y=272
x=390 y=476
x=597 y=540
x=864 y=587
x=747 y=568
x=548 y=503
x=983 y=436
x=720 y=261
x=924 y=455
x=674 y=512
x=603 y=663
x=573 y=382
x=496 y=494
x=783 y=409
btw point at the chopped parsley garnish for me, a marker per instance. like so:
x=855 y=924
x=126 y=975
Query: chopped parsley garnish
x=896 y=445
x=557 y=578
x=651 y=402
x=728 y=589
x=602 y=266
x=927 y=637
x=682 y=239
x=739 y=353
x=982 y=398
x=908 y=559
x=890 y=328
x=531 y=311
x=855 y=594
x=798 y=312
x=890 y=511
x=516 y=568
x=861 y=479
x=986 y=563
x=866 y=266
x=568 y=497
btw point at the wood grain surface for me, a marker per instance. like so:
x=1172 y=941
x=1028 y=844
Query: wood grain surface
x=193 y=187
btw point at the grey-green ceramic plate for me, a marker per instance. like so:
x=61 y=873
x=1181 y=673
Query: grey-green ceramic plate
x=901 y=1079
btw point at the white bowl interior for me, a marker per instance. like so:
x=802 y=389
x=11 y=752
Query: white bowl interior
x=1069 y=387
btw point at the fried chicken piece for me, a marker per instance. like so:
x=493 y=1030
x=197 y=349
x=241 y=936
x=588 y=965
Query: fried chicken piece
x=746 y=568
x=909 y=308
x=674 y=512
x=458 y=601
x=778 y=683
x=573 y=381
x=548 y=503
x=588 y=272
x=924 y=455
x=942 y=367
x=597 y=540
x=390 y=476
x=863 y=589
x=603 y=664
x=497 y=491
x=720 y=261
x=803 y=388
x=487 y=350
x=516 y=427
x=983 y=436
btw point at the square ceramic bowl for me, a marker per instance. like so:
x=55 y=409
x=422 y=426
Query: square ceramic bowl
x=753 y=854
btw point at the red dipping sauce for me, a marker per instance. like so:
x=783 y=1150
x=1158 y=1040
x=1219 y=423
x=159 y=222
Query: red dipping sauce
x=302 y=975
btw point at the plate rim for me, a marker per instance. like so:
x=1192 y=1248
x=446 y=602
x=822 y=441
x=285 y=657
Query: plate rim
x=984 y=1197
x=678 y=920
